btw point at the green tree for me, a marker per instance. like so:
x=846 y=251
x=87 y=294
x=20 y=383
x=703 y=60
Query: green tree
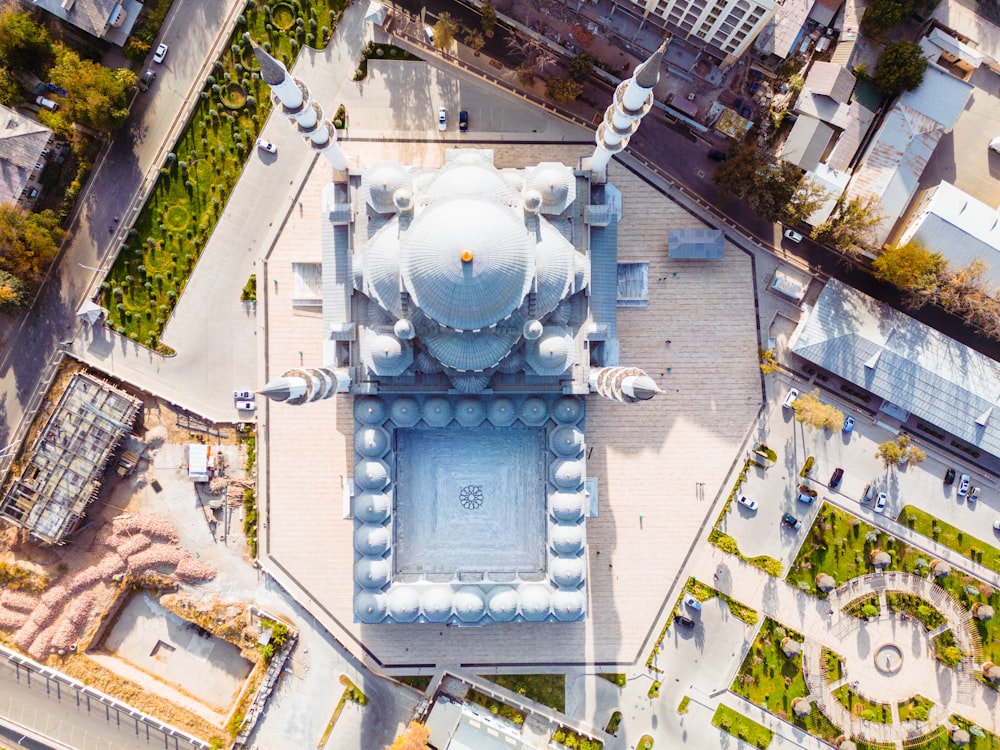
x=445 y=30
x=581 y=67
x=805 y=202
x=912 y=268
x=900 y=68
x=489 y=17
x=897 y=452
x=24 y=43
x=97 y=95
x=882 y=15
x=850 y=226
x=810 y=409
x=10 y=90
x=13 y=291
x=474 y=39
x=29 y=241
x=562 y=89
x=773 y=190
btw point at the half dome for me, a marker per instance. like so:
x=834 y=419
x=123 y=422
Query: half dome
x=371 y=540
x=369 y=607
x=436 y=603
x=553 y=353
x=501 y=604
x=535 y=601
x=372 y=572
x=380 y=182
x=404 y=603
x=371 y=442
x=372 y=507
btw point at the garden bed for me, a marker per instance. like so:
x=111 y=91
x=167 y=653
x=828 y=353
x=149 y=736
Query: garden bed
x=741 y=726
x=917 y=708
x=951 y=537
x=547 y=689
x=861 y=707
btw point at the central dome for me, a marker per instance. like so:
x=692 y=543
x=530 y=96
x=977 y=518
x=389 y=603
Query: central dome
x=454 y=289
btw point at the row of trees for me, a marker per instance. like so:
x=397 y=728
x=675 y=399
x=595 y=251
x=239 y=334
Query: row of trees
x=30 y=242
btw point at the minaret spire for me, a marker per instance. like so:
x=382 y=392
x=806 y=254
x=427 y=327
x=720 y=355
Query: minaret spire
x=624 y=384
x=302 y=385
x=633 y=99
x=298 y=105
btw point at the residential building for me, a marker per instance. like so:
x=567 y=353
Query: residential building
x=110 y=20
x=24 y=146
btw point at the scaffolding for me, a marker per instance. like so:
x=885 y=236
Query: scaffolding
x=67 y=461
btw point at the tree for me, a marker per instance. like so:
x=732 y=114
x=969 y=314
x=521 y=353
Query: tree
x=773 y=190
x=13 y=291
x=489 y=17
x=10 y=90
x=24 y=43
x=805 y=202
x=445 y=30
x=912 y=268
x=882 y=15
x=535 y=58
x=898 y=452
x=850 y=226
x=474 y=40
x=562 y=89
x=768 y=363
x=900 y=68
x=581 y=67
x=29 y=241
x=414 y=737
x=810 y=410
x=97 y=95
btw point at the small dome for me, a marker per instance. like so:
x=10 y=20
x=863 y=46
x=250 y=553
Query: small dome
x=470 y=382
x=405 y=411
x=402 y=199
x=553 y=353
x=404 y=603
x=532 y=330
x=470 y=604
x=566 y=506
x=470 y=412
x=567 y=539
x=436 y=603
x=369 y=410
x=372 y=572
x=567 y=441
x=567 y=473
x=437 y=411
x=501 y=604
x=567 y=571
x=381 y=181
x=556 y=185
x=371 y=540
x=567 y=410
x=371 y=474
x=369 y=607
x=501 y=412
x=386 y=354
x=403 y=329
x=567 y=605
x=372 y=507
x=371 y=442
x=534 y=411
x=535 y=601
x=532 y=201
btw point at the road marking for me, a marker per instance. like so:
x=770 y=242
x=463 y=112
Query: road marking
x=700 y=173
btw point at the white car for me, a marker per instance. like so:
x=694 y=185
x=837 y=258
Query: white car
x=442 y=118
x=791 y=234
x=880 y=502
x=963 y=485
x=266 y=146
x=790 y=398
x=161 y=53
x=747 y=503
x=246 y=405
x=243 y=395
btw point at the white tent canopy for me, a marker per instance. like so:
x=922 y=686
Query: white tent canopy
x=376 y=13
x=90 y=312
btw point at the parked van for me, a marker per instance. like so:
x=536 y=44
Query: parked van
x=50 y=105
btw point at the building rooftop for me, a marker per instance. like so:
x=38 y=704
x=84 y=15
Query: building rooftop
x=807 y=143
x=22 y=141
x=96 y=16
x=830 y=80
x=696 y=244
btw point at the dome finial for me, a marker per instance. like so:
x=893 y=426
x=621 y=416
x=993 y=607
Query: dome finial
x=467 y=256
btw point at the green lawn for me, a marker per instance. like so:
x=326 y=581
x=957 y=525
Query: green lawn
x=833 y=664
x=158 y=256
x=616 y=677
x=547 y=689
x=916 y=707
x=938 y=739
x=915 y=607
x=740 y=726
x=420 y=682
x=860 y=706
x=952 y=538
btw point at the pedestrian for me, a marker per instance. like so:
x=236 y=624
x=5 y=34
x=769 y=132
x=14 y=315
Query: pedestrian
x=111 y=229
x=116 y=220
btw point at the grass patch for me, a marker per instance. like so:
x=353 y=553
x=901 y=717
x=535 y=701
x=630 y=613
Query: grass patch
x=862 y=707
x=916 y=707
x=249 y=293
x=495 y=707
x=379 y=51
x=645 y=743
x=158 y=256
x=614 y=722
x=946 y=649
x=682 y=708
x=567 y=737
x=915 y=607
x=654 y=689
x=740 y=726
x=418 y=681
x=981 y=739
x=728 y=544
x=250 y=520
x=864 y=607
x=739 y=610
x=767 y=677
x=833 y=665
x=616 y=677
x=954 y=539
x=547 y=689
x=16 y=578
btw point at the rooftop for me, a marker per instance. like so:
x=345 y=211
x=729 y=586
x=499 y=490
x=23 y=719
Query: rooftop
x=22 y=141
x=95 y=16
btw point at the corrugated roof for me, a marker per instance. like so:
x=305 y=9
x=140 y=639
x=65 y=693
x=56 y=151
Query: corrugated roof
x=903 y=361
x=833 y=81
x=941 y=97
x=696 y=244
x=857 y=121
x=22 y=141
x=807 y=143
x=90 y=15
x=824 y=11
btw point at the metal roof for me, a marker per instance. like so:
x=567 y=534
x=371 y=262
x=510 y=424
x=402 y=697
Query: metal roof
x=22 y=141
x=696 y=244
x=903 y=361
x=831 y=80
x=807 y=143
x=940 y=97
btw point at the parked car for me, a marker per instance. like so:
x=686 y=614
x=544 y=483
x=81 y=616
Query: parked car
x=838 y=474
x=996 y=524
x=463 y=120
x=973 y=495
x=880 y=502
x=266 y=146
x=747 y=503
x=789 y=520
x=161 y=53
x=963 y=484
x=243 y=395
x=807 y=494
x=684 y=620
x=949 y=476
x=690 y=600
x=146 y=79
x=790 y=398
x=791 y=234
x=48 y=104
x=442 y=118
x=246 y=405
x=848 y=424
x=715 y=155
x=869 y=494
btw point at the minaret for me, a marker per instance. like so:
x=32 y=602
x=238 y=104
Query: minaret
x=633 y=99
x=624 y=384
x=303 y=385
x=297 y=105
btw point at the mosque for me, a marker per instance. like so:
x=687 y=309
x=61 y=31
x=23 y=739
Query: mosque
x=468 y=311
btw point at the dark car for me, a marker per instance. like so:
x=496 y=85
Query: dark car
x=789 y=520
x=835 y=478
x=463 y=120
x=146 y=79
x=685 y=621
x=715 y=155
x=949 y=476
